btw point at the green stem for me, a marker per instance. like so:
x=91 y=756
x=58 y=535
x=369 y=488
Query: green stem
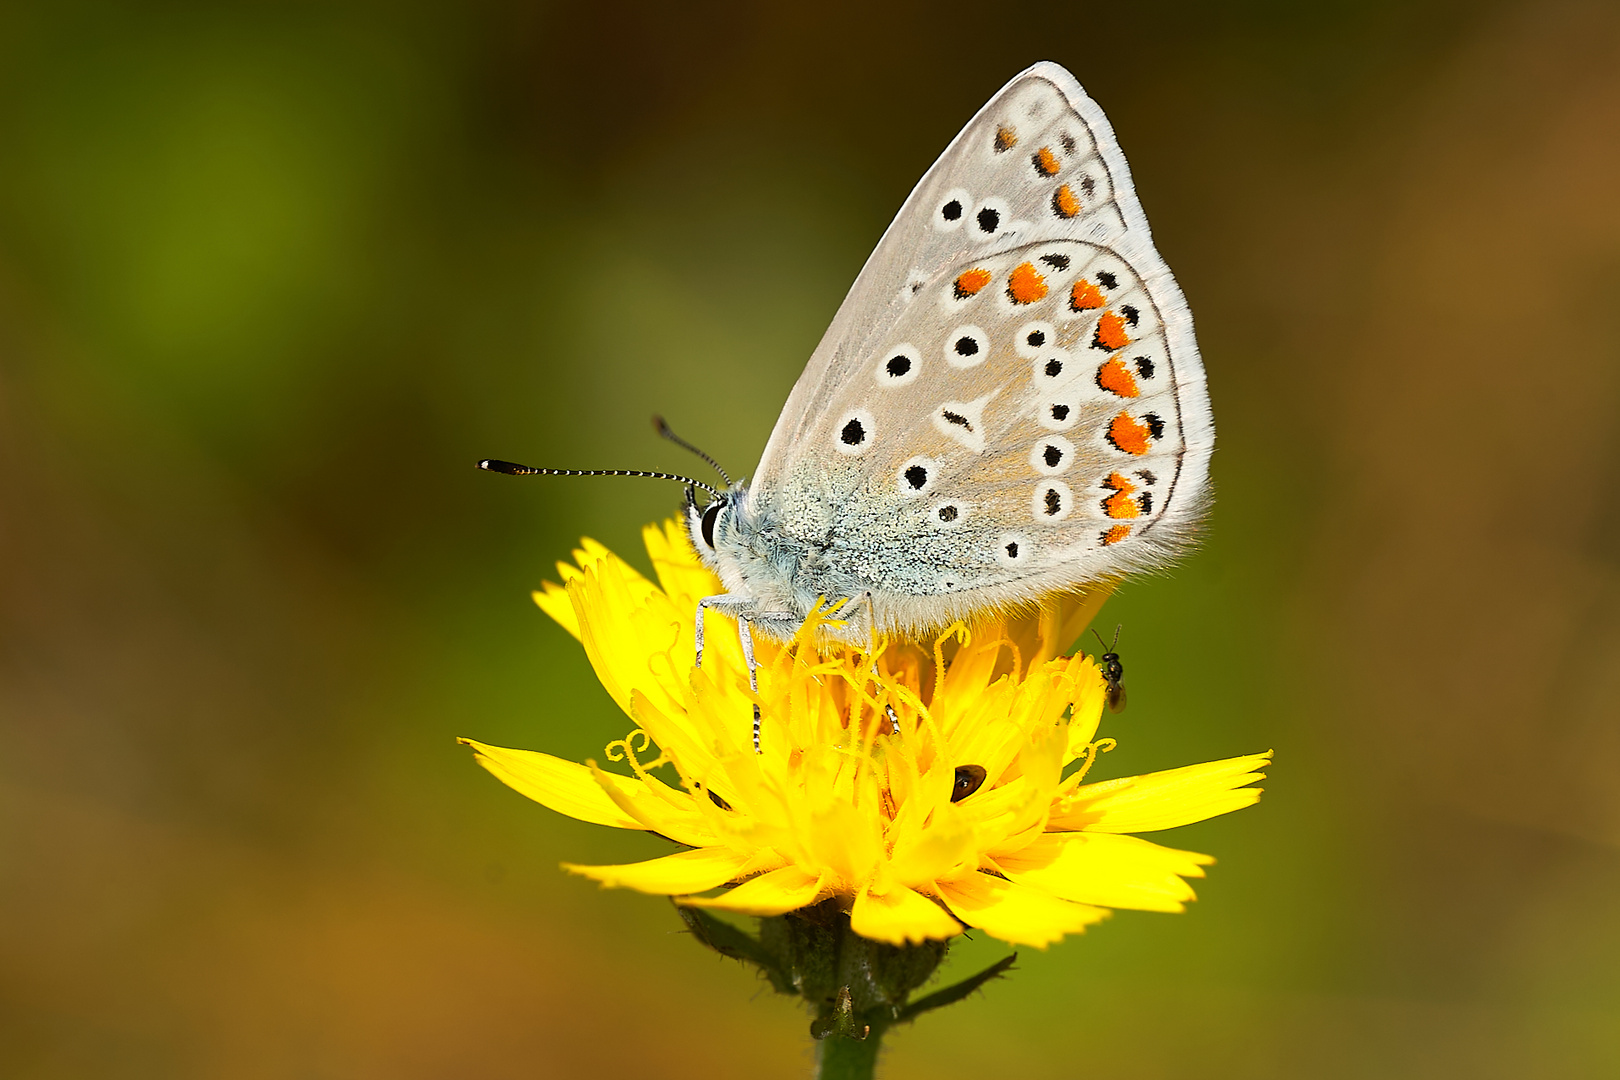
x=839 y=1057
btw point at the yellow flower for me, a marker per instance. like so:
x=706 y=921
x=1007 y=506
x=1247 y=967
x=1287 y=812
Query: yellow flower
x=961 y=816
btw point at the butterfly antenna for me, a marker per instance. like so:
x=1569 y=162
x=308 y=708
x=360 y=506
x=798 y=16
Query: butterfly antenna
x=664 y=429
x=512 y=468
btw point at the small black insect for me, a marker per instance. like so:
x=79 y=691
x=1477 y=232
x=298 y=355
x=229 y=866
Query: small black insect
x=1114 y=672
x=968 y=779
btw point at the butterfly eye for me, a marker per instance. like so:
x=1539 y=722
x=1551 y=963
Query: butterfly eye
x=969 y=778
x=711 y=516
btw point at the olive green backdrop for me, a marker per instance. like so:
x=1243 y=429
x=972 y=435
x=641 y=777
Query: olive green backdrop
x=273 y=276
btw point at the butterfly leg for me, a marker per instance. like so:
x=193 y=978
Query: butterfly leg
x=779 y=624
x=738 y=607
x=726 y=604
x=746 y=636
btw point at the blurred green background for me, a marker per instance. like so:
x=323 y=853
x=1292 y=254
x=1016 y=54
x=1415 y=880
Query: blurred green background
x=273 y=276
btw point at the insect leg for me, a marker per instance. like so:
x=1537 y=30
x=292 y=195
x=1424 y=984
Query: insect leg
x=722 y=602
x=739 y=607
x=746 y=636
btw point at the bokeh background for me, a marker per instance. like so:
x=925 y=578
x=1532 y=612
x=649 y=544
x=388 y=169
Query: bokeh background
x=273 y=276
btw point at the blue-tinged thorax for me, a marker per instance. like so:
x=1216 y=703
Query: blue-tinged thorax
x=779 y=564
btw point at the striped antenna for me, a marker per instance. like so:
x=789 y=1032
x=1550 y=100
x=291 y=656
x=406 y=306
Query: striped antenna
x=512 y=468
x=664 y=429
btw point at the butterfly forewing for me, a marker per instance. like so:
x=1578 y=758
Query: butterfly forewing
x=1010 y=398
x=984 y=190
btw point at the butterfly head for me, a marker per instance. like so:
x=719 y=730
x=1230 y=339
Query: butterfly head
x=714 y=523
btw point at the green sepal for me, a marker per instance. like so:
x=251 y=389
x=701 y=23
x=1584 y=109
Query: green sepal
x=956 y=992
x=728 y=940
x=856 y=988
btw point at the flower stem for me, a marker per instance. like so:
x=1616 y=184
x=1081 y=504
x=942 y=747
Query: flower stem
x=839 y=1057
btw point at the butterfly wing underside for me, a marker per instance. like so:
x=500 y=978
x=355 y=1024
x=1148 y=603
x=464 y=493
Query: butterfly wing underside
x=1011 y=392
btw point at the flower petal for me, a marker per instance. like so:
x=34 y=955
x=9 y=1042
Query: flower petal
x=900 y=916
x=624 y=623
x=1016 y=913
x=1086 y=716
x=561 y=785
x=1106 y=869
x=553 y=600
x=924 y=855
x=776 y=893
x=659 y=808
x=1161 y=800
x=684 y=578
x=1074 y=614
x=671 y=875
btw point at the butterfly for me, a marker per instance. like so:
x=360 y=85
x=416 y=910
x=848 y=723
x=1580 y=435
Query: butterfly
x=1009 y=403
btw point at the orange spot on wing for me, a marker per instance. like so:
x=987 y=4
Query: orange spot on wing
x=1111 y=332
x=969 y=282
x=1065 y=203
x=1046 y=163
x=1084 y=296
x=1116 y=378
x=1120 y=504
x=1128 y=435
x=1025 y=285
x=1116 y=534
x=1006 y=138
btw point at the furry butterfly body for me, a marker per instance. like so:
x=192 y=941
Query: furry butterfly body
x=1008 y=404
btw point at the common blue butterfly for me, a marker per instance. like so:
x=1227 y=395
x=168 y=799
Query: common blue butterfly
x=1008 y=404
